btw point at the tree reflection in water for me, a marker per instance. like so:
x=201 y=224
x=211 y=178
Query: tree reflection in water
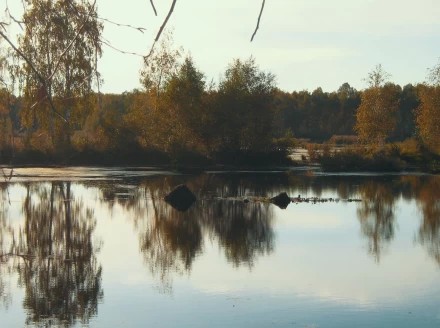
x=243 y=230
x=427 y=190
x=170 y=240
x=54 y=254
x=376 y=215
x=376 y=212
x=5 y=295
x=55 y=257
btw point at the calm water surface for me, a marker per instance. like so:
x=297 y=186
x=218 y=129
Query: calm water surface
x=100 y=248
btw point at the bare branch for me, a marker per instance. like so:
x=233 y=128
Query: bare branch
x=39 y=76
x=258 y=22
x=150 y=53
x=94 y=15
x=19 y=23
x=161 y=29
x=139 y=28
x=165 y=21
x=108 y=44
x=154 y=8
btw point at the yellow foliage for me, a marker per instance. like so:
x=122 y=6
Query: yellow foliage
x=428 y=117
x=376 y=115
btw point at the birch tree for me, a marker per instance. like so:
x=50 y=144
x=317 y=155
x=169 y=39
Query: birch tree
x=56 y=65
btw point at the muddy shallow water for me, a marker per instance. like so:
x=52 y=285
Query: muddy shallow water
x=101 y=248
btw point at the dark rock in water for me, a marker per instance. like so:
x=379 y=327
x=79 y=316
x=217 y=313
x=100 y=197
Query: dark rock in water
x=282 y=200
x=181 y=198
x=246 y=200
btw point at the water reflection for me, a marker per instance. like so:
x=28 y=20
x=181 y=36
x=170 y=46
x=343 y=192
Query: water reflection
x=170 y=240
x=244 y=230
x=53 y=249
x=428 y=196
x=5 y=295
x=376 y=215
x=54 y=255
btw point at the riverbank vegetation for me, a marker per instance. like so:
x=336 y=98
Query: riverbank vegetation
x=52 y=112
x=245 y=120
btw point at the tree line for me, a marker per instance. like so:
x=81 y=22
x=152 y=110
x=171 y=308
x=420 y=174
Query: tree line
x=178 y=113
x=51 y=106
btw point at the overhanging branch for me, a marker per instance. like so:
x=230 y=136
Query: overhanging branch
x=154 y=8
x=38 y=75
x=258 y=22
x=162 y=27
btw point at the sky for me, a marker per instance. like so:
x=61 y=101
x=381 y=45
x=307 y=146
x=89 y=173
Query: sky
x=305 y=43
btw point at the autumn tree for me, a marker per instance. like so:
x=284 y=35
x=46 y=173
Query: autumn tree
x=409 y=101
x=428 y=112
x=183 y=102
x=376 y=115
x=428 y=117
x=55 y=66
x=242 y=115
x=148 y=116
x=160 y=65
x=434 y=75
x=6 y=127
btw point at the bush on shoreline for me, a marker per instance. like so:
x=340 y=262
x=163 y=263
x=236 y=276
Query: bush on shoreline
x=138 y=156
x=407 y=155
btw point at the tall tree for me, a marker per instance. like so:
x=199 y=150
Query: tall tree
x=148 y=115
x=6 y=126
x=434 y=74
x=377 y=77
x=376 y=115
x=184 y=103
x=160 y=65
x=428 y=117
x=56 y=65
x=243 y=115
x=428 y=112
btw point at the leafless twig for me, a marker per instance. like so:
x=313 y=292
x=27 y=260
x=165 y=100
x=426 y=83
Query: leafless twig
x=8 y=12
x=139 y=28
x=95 y=15
x=170 y=12
x=258 y=22
x=108 y=44
x=165 y=21
x=154 y=8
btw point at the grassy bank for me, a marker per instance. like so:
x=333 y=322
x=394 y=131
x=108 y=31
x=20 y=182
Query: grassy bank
x=140 y=157
x=395 y=157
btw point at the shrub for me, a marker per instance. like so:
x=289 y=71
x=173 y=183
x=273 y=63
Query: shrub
x=361 y=159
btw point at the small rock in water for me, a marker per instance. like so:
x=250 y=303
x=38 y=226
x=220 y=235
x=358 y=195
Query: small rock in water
x=181 y=198
x=282 y=200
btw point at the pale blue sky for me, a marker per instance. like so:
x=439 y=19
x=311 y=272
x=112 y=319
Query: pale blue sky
x=305 y=43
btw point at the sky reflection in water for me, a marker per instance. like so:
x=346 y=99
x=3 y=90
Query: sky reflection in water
x=104 y=249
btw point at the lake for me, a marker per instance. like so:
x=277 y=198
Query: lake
x=100 y=247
